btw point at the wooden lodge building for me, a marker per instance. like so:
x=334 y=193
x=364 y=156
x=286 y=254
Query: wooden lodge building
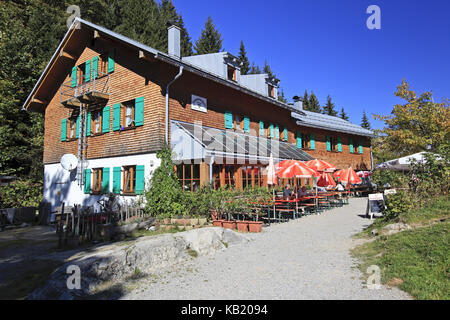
x=112 y=102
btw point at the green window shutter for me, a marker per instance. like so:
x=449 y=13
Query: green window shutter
x=87 y=181
x=277 y=132
x=74 y=76
x=339 y=144
x=111 y=62
x=312 y=142
x=88 y=124
x=77 y=127
x=261 y=128
x=116 y=117
x=350 y=145
x=105 y=119
x=285 y=134
x=87 y=71
x=139 y=111
x=105 y=180
x=271 y=130
x=95 y=67
x=360 y=147
x=117 y=173
x=63 y=129
x=228 y=120
x=246 y=124
x=328 y=143
x=299 y=140
x=140 y=181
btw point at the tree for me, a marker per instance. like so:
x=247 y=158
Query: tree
x=313 y=103
x=210 y=40
x=267 y=69
x=343 y=114
x=245 y=63
x=328 y=108
x=281 y=96
x=365 y=121
x=254 y=69
x=414 y=125
x=305 y=101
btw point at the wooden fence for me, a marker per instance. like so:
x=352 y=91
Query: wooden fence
x=84 y=224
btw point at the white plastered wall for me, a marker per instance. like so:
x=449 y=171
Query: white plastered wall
x=62 y=186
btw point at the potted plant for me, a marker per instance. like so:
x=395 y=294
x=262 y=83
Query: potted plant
x=230 y=204
x=256 y=226
x=218 y=203
x=243 y=208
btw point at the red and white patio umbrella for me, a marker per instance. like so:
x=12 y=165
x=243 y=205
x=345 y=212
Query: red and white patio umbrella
x=326 y=180
x=348 y=176
x=320 y=165
x=296 y=169
x=364 y=174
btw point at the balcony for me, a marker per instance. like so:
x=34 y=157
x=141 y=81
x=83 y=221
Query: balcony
x=95 y=91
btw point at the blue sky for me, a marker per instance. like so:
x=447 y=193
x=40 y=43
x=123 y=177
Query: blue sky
x=325 y=46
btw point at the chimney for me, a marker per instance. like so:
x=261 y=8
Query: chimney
x=298 y=104
x=174 y=41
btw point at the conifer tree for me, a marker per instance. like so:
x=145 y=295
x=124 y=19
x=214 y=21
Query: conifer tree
x=328 y=108
x=254 y=69
x=210 y=40
x=281 y=96
x=365 y=121
x=305 y=101
x=313 y=103
x=245 y=63
x=343 y=114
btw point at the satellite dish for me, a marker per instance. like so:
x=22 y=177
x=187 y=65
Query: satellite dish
x=69 y=162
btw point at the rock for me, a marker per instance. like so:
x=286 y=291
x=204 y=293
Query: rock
x=125 y=229
x=374 y=232
x=152 y=228
x=146 y=224
x=24 y=225
x=202 y=221
x=395 y=228
x=232 y=237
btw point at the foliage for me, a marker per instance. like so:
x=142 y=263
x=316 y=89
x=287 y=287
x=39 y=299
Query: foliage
x=343 y=115
x=210 y=40
x=245 y=63
x=398 y=203
x=164 y=195
x=281 y=96
x=328 y=108
x=396 y=179
x=365 y=121
x=306 y=101
x=412 y=126
x=254 y=69
x=313 y=103
x=21 y=193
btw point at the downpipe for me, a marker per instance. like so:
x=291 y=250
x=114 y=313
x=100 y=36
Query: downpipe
x=167 y=102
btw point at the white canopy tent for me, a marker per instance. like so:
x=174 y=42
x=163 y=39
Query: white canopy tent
x=401 y=164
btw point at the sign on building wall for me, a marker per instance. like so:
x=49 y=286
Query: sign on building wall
x=199 y=103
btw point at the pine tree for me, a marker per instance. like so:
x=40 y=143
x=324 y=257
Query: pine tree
x=169 y=13
x=313 y=103
x=343 y=115
x=210 y=40
x=328 y=108
x=365 y=121
x=268 y=70
x=281 y=96
x=305 y=101
x=254 y=69
x=245 y=63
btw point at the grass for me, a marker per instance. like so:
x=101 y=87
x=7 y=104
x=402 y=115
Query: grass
x=436 y=210
x=417 y=260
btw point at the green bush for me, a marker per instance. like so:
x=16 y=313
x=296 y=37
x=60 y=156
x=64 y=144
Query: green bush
x=397 y=204
x=395 y=178
x=21 y=193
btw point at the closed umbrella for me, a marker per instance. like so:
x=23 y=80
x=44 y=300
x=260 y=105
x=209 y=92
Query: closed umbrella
x=271 y=180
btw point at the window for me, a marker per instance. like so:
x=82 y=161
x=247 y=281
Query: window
x=332 y=144
x=129 y=179
x=271 y=92
x=80 y=73
x=72 y=128
x=224 y=175
x=97 y=176
x=96 y=122
x=128 y=112
x=189 y=176
x=103 y=64
x=231 y=73
x=305 y=141
x=251 y=177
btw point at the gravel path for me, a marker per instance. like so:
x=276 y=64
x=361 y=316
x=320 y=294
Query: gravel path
x=304 y=259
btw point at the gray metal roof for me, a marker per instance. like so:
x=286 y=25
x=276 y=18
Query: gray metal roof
x=326 y=122
x=226 y=143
